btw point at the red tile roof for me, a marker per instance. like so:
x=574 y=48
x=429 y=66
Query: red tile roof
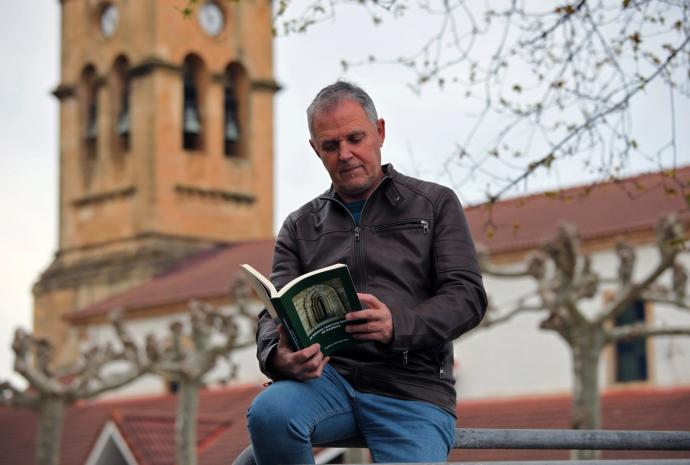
x=147 y=424
x=151 y=435
x=208 y=274
x=602 y=210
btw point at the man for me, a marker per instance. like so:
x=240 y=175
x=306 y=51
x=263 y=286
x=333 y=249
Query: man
x=412 y=259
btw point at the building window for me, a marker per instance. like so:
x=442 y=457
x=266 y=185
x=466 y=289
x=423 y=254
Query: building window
x=88 y=93
x=192 y=127
x=122 y=106
x=235 y=110
x=631 y=355
x=232 y=122
x=173 y=386
x=90 y=105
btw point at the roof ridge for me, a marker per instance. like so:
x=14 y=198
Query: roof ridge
x=215 y=263
x=206 y=442
x=139 y=398
x=614 y=391
x=610 y=182
x=116 y=417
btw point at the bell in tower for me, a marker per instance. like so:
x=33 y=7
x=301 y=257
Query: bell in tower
x=232 y=128
x=191 y=125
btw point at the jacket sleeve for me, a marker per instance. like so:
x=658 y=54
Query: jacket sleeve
x=458 y=302
x=286 y=266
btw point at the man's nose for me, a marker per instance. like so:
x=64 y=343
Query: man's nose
x=344 y=151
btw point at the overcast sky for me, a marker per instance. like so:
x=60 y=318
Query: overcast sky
x=421 y=131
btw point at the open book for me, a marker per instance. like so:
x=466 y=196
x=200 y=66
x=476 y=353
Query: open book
x=311 y=307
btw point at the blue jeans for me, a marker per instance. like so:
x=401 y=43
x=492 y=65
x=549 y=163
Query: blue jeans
x=288 y=416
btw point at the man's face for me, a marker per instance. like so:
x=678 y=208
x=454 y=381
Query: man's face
x=349 y=146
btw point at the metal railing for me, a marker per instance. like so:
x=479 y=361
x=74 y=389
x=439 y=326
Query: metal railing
x=550 y=439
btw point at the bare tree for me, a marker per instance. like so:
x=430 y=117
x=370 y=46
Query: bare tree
x=187 y=360
x=543 y=82
x=565 y=278
x=51 y=390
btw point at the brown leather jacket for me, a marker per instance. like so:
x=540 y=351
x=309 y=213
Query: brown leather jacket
x=413 y=251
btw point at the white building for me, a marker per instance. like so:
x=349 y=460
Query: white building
x=514 y=358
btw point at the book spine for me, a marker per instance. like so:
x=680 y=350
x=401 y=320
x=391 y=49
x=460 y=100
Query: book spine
x=293 y=337
x=277 y=304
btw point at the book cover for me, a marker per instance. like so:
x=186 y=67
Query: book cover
x=312 y=307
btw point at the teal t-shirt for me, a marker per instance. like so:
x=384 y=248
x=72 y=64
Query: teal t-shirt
x=356 y=209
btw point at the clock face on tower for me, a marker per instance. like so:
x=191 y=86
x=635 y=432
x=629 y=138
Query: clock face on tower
x=211 y=18
x=110 y=16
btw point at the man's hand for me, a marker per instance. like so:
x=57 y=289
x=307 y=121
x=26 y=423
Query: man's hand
x=304 y=364
x=379 y=324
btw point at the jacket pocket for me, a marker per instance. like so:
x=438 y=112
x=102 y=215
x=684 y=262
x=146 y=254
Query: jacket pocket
x=413 y=223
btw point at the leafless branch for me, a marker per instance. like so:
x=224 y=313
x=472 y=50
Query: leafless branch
x=491 y=320
x=621 y=333
x=665 y=298
x=24 y=347
x=669 y=232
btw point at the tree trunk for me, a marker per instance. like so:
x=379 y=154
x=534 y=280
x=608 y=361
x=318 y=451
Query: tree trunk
x=185 y=422
x=586 y=402
x=51 y=415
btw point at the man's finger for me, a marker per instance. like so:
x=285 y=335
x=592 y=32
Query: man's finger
x=368 y=300
x=360 y=315
x=301 y=356
x=365 y=327
x=316 y=372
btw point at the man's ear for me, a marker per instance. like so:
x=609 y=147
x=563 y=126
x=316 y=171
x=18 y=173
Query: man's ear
x=381 y=129
x=313 y=147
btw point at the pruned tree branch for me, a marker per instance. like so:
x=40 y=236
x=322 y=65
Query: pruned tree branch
x=51 y=390
x=32 y=357
x=665 y=298
x=622 y=333
x=491 y=320
x=188 y=359
x=565 y=278
x=669 y=240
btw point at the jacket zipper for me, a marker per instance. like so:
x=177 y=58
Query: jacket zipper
x=442 y=371
x=358 y=254
x=406 y=224
x=404 y=357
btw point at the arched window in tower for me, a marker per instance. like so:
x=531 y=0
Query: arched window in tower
x=192 y=126
x=90 y=104
x=232 y=122
x=235 y=110
x=121 y=114
x=88 y=96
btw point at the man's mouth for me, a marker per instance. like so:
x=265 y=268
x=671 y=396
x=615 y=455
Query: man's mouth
x=349 y=169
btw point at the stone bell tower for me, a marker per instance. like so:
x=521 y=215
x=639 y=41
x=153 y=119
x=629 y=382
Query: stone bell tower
x=166 y=142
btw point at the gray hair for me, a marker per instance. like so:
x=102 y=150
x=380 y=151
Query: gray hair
x=331 y=95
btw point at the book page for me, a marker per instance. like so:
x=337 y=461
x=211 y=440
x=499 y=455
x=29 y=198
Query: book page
x=262 y=280
x=295 y=281
x=263 y=287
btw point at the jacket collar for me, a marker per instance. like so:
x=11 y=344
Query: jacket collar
x=386 y=185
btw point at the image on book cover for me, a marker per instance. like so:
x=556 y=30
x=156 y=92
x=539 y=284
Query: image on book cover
x=321 y=304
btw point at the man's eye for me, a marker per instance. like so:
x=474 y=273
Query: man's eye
x=329 y=147
x=355 y=138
